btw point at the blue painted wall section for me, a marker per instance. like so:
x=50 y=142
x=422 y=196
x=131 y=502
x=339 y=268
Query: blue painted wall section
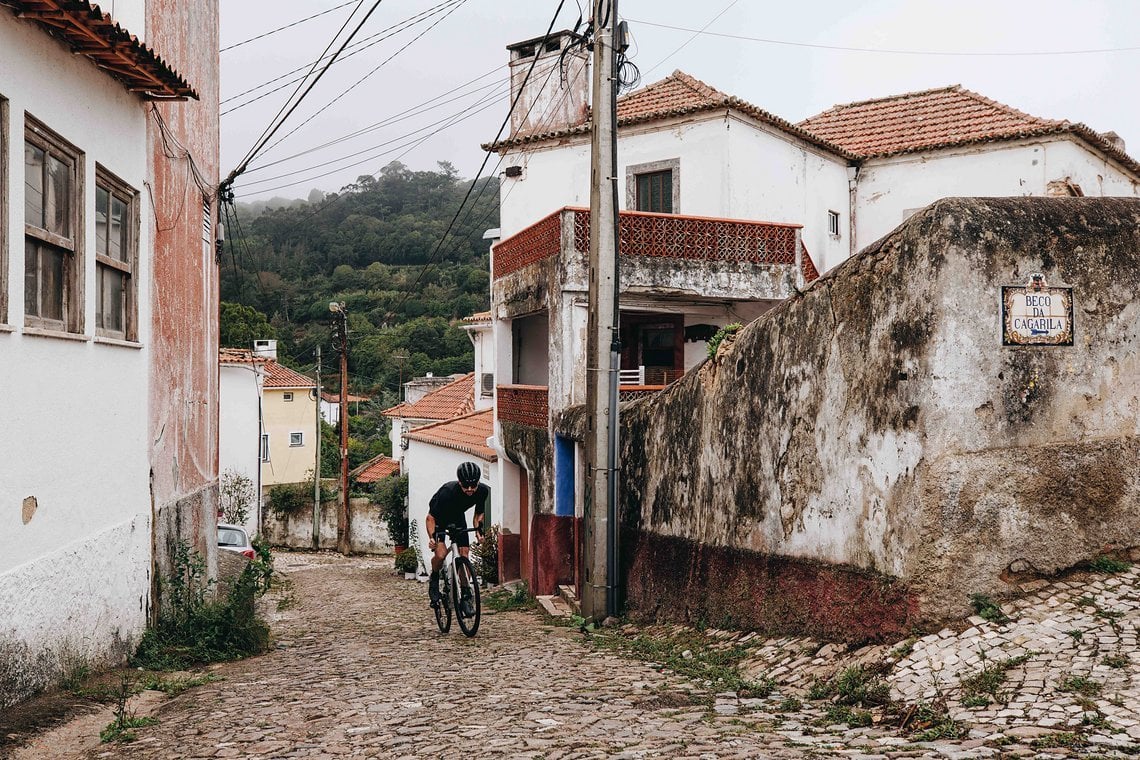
x=563 y=476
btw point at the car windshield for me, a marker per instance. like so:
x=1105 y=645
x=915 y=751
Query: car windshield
x=230 y=537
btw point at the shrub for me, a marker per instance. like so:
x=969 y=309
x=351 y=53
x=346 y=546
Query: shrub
x=407 y=562
x=235 y=494
x=391 y=497
x=486 y=554
x=721 y=334
x=192 y=628
x=290 y=499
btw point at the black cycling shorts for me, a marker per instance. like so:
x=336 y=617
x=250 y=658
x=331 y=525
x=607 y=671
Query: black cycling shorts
x=459 y=538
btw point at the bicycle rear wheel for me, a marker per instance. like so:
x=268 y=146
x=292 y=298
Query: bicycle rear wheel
x=465 y=590
x=442 y=608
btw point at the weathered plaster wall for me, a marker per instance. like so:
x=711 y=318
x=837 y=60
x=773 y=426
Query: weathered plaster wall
x=369 y=532
x=239 y=433
x=877 y=426
x=183 y=398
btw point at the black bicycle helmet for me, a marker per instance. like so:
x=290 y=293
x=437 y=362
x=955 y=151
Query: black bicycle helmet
x=468 y=474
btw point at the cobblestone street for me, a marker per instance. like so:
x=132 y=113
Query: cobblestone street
x=360 y=670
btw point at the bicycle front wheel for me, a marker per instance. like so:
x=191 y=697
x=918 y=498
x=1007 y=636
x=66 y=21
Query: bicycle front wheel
x=465 y=590
x=443 y=610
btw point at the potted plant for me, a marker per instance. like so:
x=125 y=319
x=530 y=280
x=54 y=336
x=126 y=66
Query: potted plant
x=407 y=563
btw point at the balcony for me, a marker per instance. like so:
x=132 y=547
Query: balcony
x=524 y=405
x=662 y=237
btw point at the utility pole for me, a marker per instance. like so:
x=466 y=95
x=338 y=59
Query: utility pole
x=343 y=527
x=317 y=464
x=603 y=342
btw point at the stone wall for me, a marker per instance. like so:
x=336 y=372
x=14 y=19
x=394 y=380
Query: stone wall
x=369 y=534
x=875 y=428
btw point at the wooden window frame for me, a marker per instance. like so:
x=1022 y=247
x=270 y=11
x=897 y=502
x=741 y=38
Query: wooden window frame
x=128 y=266
x=635 y=172
x=73 y=278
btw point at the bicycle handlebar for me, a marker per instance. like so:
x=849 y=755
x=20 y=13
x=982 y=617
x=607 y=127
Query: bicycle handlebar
x=453 y=530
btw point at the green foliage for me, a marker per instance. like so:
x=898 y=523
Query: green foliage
x=486 y=555
x=406 y=561
x=195 y=628
x=235 y=495
x=1108 y=564
x=988 y=609
x=931 y=722
x=983 y=688
x=1115 y=661
x=790 y=704
x=509 y=600
x=119 y=730
x=1081 y=685
x=721 y=334
x=855 y=686
x=843 y=714
x=239 y=326
x=287 y=499
x=390 y=495
x=1061 y=739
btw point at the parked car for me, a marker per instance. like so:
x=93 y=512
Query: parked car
x=234 y=538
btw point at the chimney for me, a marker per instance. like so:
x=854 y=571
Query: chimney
x=265 y=348
x=1116 y=140
x=557 y=93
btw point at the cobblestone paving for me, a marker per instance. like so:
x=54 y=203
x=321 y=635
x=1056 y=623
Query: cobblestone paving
x=360 y=670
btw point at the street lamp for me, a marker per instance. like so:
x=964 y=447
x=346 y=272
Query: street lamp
x=340 y=334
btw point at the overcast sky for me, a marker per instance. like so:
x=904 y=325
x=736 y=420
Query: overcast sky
x=782 y=57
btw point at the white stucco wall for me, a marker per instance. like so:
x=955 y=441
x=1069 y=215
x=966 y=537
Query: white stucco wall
x=429 y=467
x=889 y=190
x=75 y=414
x=239 y=430
x=730 y=166
x=484 y=344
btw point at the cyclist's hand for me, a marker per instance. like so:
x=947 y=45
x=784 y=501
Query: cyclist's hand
x=431 y=543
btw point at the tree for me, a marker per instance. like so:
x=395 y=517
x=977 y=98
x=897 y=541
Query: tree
x=239 y=326
x=235 y=497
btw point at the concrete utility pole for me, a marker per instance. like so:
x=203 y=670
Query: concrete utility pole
x=603 y=344
x=343 y=526
x=317 y=464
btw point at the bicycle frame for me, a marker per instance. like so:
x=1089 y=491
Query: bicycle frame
x=460 y=588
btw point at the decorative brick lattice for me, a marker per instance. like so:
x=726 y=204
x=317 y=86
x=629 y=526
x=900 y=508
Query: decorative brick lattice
x=631 y=392
x=667 y=236
x=535 y=243
x=524 y=404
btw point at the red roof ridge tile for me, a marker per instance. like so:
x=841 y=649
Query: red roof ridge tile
x=885 y=99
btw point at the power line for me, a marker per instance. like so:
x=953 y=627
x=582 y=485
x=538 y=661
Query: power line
x=695 y=35
x=279 y=120
x=359 y=47
x=357 y=83
x=889 y=51
x=287 y=26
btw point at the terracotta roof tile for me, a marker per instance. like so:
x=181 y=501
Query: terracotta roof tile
x=468 y=433
x=334 y=398
x=376 y=469
x=676 y=95
x=239 y=356
x=451 y=400
x=940 y=118
x=278 y=376
x=482 y=316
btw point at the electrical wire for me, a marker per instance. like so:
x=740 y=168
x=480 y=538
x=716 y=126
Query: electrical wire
x=287 y=26
x=358 y=82
x=693 y=37
x=279 y=121
x=888 y=51
x=356 y=49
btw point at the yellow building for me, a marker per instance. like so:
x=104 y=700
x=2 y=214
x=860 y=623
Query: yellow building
x=289 y=427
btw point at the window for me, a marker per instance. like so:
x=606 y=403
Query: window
x=833 y=223
x=655 y=192
x=296 y=439
x=116 y=256
x=287 y=395
x=654 y=186
x=265 y=447
x=53 y=265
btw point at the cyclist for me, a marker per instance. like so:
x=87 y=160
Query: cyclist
x=448 y=508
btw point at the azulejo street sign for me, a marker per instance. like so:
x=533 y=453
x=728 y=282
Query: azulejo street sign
x=1035 y=314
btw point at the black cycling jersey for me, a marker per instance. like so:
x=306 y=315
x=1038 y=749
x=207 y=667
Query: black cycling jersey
x=450 y=504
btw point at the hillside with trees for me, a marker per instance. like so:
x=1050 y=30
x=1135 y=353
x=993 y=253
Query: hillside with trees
x=375 y=247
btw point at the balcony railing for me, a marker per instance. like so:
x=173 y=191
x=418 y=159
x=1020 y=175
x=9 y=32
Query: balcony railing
x=670 y=236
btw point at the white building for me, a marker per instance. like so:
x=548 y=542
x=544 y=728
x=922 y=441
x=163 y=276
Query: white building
x=434 y=453
x=109 y=401
x=727 y=210
x=241 y=376
x=453 y=398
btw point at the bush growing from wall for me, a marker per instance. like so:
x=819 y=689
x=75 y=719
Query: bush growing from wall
x=235 y=496
x=390 y=495
x=195 y=628
x=288 y=499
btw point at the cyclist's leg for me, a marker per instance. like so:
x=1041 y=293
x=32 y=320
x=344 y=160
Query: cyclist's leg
x=436 y=564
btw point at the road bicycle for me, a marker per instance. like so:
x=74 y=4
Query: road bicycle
x=459 y=588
